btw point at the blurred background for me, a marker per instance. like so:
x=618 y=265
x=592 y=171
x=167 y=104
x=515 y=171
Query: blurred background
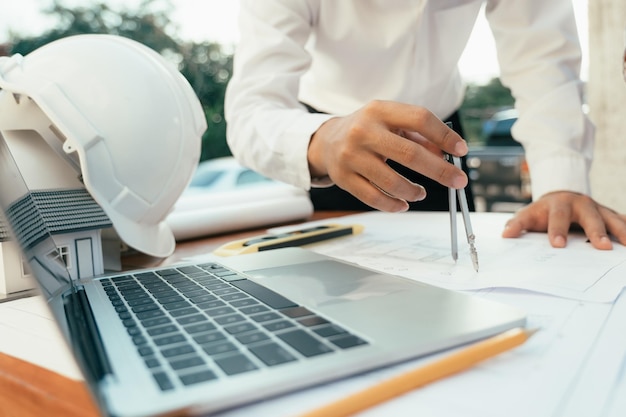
x=199 y=37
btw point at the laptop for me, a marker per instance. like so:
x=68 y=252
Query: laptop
x=208 y=336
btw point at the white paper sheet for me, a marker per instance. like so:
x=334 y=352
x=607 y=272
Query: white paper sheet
x=600 y=386
x=28 y=332
x=417 y=245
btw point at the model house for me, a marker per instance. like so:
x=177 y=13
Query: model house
x=76 y=223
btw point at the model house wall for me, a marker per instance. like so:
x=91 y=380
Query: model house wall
x=14 y=273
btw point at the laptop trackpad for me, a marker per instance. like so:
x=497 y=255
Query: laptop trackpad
x=328 y=282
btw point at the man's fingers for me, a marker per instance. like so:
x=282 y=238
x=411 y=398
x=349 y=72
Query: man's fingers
x=412 y=118
x=559 y=221
x=419 y=158
x=513 y=228
x=557 y=212
x=589 y=218
x=525 y=220
x=421 y=140
x=390 y=182
x=373 y=196
x=615 y=223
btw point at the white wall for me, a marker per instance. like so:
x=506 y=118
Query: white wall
x=12 y=279
x=607 y=100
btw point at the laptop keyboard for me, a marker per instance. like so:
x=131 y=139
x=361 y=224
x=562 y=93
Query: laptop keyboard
x=197 y=323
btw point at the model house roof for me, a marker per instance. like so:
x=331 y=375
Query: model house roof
x=56 y=212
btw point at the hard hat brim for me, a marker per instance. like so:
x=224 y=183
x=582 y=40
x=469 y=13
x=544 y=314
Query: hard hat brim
x=154 y=239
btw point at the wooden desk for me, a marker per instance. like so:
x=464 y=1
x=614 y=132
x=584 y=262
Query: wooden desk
x=27 y=390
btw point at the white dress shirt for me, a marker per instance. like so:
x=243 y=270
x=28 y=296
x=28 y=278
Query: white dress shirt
x=336 y=55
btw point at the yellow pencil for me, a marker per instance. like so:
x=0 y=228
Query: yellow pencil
x=446 y=366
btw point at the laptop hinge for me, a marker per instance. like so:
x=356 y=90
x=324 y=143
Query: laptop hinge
x=85 y=336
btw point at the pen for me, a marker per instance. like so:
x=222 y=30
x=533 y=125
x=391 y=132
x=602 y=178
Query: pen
x=294 y=238
x=444 y=367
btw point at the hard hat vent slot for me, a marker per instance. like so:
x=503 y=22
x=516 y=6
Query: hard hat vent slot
x=58 y=133
x=66 y=149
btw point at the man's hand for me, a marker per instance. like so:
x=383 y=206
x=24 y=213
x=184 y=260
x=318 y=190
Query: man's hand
x=353 y=151
x=556 y=212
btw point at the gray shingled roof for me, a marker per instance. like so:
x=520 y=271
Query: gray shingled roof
x=60 y=211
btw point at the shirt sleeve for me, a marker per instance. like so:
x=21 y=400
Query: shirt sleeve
x=268 y=129
x=539 y=56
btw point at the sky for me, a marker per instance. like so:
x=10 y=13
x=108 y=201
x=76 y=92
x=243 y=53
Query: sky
x=215 y=20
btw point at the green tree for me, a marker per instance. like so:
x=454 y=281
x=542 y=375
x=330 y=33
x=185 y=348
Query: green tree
x=205 y=65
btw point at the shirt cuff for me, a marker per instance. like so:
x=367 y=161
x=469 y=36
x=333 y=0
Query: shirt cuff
x=561 y=173
x=304 y=127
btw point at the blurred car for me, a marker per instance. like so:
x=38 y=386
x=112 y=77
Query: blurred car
x=225 y=174
x=497 y=129
x=498 y=169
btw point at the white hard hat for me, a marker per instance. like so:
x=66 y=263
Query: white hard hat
x=130 y=116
